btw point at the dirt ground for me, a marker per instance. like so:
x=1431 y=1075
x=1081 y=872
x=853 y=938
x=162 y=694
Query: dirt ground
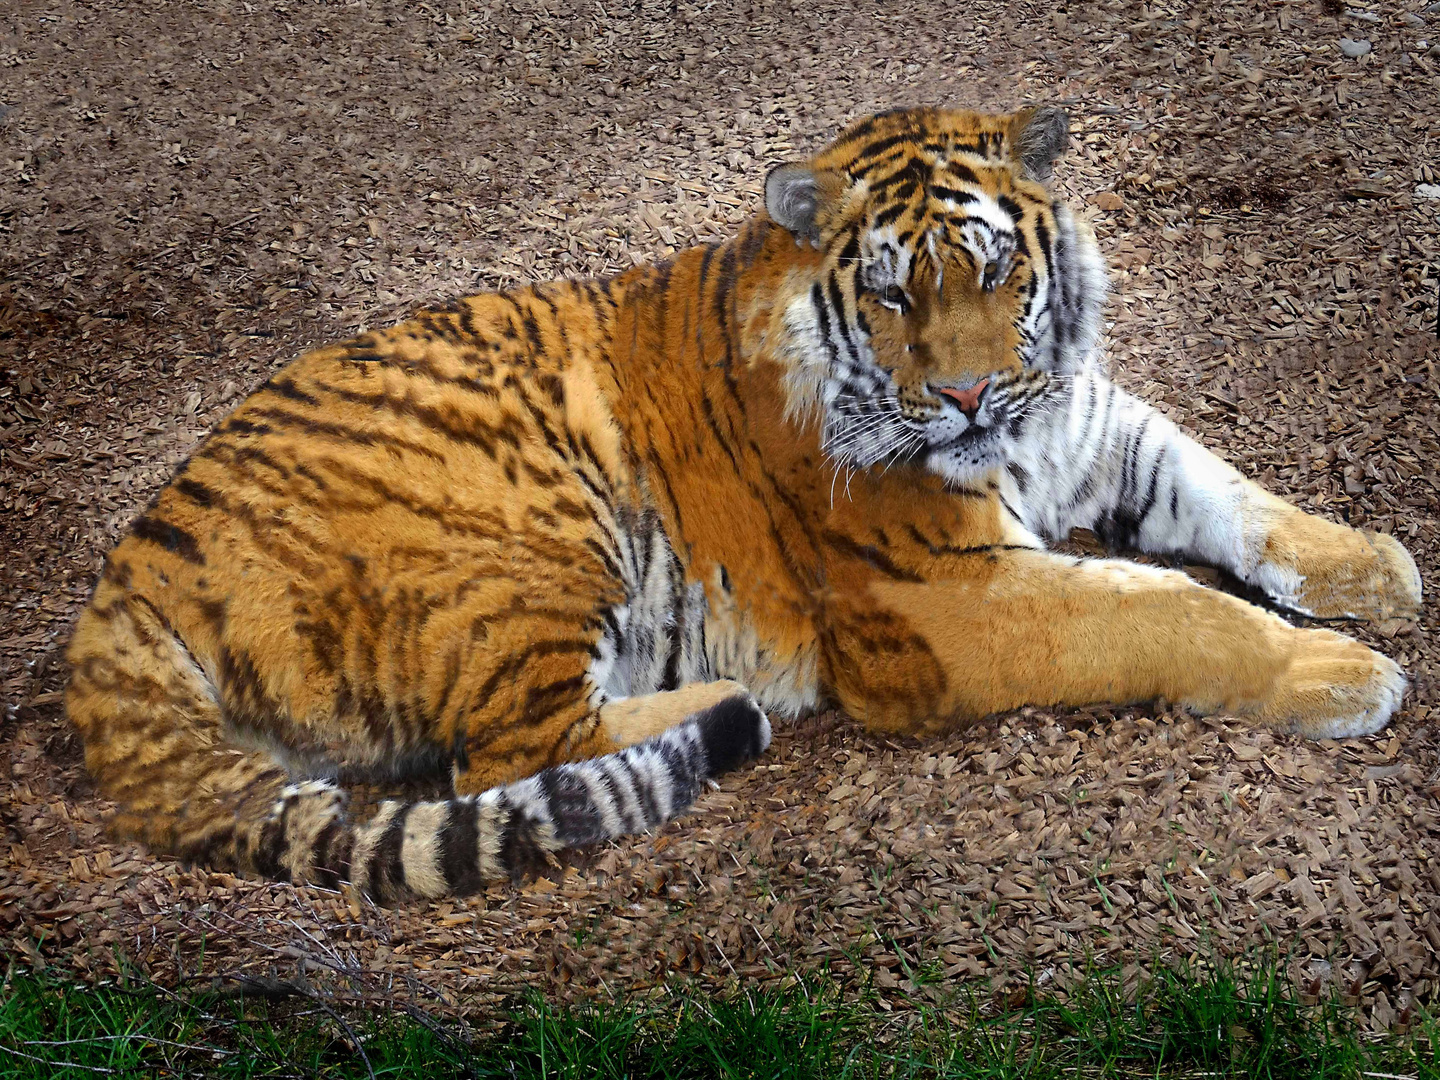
x=191 y=192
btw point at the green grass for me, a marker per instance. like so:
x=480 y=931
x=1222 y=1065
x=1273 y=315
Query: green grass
x=1186 y=1023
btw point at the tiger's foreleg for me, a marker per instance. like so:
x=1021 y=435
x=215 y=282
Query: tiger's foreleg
x=1029 y=627
x=1102 y=459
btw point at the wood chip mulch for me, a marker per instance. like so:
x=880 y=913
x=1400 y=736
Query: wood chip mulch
x=189 y=193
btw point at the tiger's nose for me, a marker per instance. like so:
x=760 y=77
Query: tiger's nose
x=968 y=400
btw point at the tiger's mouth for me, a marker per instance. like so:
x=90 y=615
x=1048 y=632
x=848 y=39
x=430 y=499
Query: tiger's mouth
x=976 y=448
x=973 y=439
x=961 y=446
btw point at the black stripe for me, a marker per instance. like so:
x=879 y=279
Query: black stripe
x=469 y=429
x=271 y=845
x=194 y=491
x=1020 y=475
x=515 y=663
x=520 y=852
x=817 y=300
x=684 y=773
x=543 y=702
x=889 y=214
x=341 y=433
x=572 y=809
x=871 y=556
x=723 y=289
x=963 y=173
x=671 y=679
x=1042 y=237
x=237 y=425
x=1127 y=453
x=865 y=159
x=532 y=332
x=840 y=322
x=460 y=847
x=617 y=800
x=972 y=549
x=1014 y=514
x=954 y=195
x=752 y=242
x=1131 y=472
x=708 y=408
x=704 y=272
x=914 y=174
x=170 y=537
x=285 y=387
x=644 y=793
x=1148 y=503
x=330 y=862
x=1011 y=207
x=386 y=873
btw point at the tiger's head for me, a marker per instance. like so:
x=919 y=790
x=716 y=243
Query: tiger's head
x=953 y=293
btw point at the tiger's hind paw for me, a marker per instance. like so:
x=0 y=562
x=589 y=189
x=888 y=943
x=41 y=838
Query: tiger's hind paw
x=733 y=732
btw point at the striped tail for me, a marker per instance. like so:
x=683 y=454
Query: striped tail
x=458 y=846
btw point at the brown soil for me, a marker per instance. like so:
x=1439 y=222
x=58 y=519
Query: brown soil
x=191 y=192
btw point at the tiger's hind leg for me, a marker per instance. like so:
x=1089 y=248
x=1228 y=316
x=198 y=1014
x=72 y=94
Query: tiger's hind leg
x=512 y=830
x=721 y=715
x=678 y=740
x=156 y=743
x=636 y=764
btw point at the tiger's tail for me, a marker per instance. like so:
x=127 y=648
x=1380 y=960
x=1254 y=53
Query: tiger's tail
x=454 y=847
x=156 y=743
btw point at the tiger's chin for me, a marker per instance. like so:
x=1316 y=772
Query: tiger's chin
x=970 y=458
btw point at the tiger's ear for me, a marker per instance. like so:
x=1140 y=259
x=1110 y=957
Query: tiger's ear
x=1037 y=139
x=792 y=199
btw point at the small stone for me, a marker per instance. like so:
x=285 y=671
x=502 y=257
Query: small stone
x=1412 y=19
x=1428 y=191
x=1363 y=16
x=1354 y=49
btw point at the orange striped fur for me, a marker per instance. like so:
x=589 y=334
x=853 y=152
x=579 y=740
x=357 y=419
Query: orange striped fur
x=566 y=524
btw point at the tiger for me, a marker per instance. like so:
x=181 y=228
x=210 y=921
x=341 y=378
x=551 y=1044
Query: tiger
x=574 y=545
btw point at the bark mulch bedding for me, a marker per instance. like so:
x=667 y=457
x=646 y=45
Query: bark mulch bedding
x=190 y=192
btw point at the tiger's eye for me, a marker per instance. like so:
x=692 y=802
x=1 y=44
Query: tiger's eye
x=894 y=296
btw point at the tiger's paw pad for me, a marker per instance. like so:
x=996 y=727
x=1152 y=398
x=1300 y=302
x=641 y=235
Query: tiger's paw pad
x=732 y=731
x=1335 y=688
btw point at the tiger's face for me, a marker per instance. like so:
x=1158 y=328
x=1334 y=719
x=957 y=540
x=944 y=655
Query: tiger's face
x=954 y=295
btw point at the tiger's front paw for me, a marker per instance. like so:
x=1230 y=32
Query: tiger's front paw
x=1334 y=572
x=1334 y=688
